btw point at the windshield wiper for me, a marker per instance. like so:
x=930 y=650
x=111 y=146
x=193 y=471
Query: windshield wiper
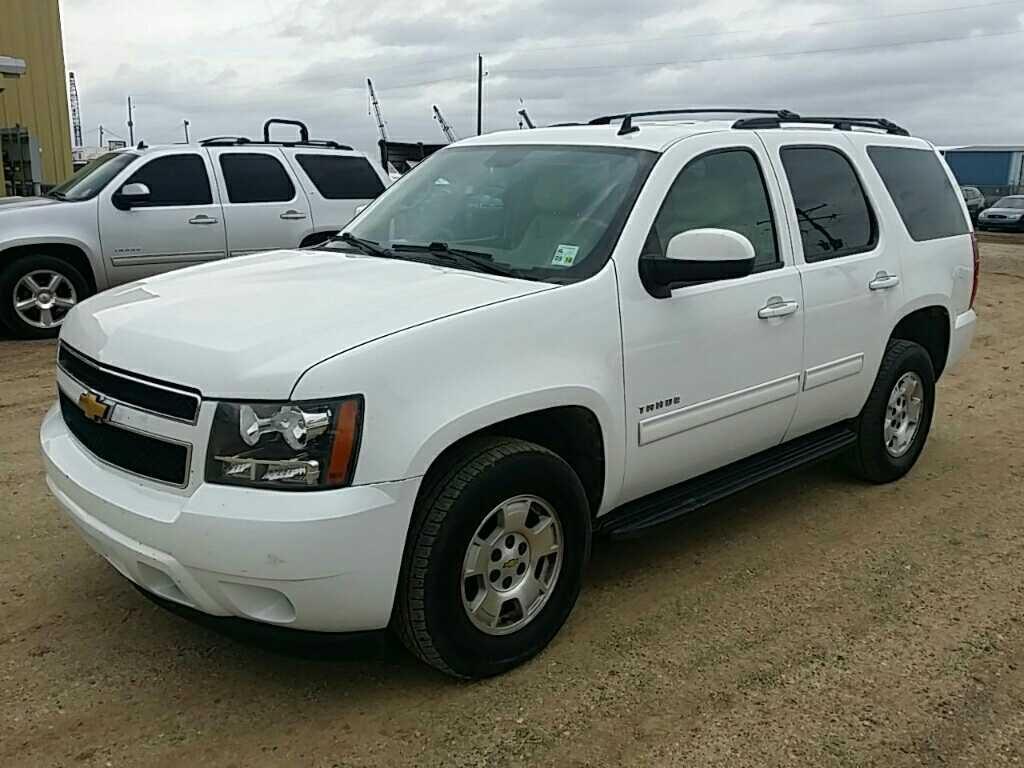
x=369 y=247
x=478 y=259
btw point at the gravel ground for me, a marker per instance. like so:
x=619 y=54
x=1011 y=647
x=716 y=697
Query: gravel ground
x=811 y=621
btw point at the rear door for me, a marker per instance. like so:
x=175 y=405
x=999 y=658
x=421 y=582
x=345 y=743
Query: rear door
x=850 y=269
x=180 y=224
x=337 y=184
x=264 y=207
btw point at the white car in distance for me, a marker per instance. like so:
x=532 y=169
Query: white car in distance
x=535 y=336
x=137 y=212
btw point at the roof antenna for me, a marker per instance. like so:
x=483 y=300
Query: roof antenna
x=627 y=126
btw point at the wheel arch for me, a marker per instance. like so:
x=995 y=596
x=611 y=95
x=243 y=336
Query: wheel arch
x=74 y=254
x=930 y=326
x=573 y=431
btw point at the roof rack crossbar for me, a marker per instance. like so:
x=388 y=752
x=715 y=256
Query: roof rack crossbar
x=840 y=123
x=242 y=141
x=608 y=119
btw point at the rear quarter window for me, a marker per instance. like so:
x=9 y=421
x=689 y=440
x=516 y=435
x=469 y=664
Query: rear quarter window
x=921 y=191
x=340 y=177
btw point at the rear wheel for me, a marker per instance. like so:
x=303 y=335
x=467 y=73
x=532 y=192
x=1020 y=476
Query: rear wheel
x=893 y=426
x=495 y=558
x=36 y=294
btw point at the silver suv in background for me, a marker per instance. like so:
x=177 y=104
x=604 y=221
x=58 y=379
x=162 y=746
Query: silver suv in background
x=137 y=212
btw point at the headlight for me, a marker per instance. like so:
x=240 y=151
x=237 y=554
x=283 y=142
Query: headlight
x=288 y=446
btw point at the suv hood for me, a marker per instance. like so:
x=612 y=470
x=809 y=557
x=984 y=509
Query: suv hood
x=250 y=327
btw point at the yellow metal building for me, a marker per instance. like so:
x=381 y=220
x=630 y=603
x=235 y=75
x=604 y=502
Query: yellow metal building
x=35 y=131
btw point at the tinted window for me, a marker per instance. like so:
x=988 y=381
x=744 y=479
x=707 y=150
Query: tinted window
x=724 y=190
x=91 y=179
x=921 y=191
x=338 y=177
x=253 y=178
x=832 y=209
x=175 y=180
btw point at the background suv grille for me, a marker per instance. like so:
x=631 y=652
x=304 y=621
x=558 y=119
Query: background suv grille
x=140 y=454
x=155 y=397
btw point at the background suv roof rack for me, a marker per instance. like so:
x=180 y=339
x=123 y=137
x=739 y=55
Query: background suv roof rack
x=304 y=140
x=841 y=123
x=627 y=117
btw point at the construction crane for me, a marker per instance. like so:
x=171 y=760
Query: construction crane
x=446 y=127
x=76 y=113
x=376 y=110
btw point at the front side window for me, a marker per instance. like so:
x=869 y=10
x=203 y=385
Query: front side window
x=341 y=177
x=721 y=190
x=551 y=213
x=921 y=192
x=90 y=180
x=174 y=180
x=256 y=178
x=831 y=206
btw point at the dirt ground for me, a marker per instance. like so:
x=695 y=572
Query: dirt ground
x=811 y=621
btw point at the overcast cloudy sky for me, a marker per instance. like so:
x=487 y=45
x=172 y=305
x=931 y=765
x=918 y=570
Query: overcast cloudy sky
x=225 y=65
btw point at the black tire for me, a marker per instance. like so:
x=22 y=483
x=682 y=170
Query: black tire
x=429 y=614
x=871 y=459
x=12 y=273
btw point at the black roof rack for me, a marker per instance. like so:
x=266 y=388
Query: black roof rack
x=304 y=140
x=841 y=123
x=627 y=117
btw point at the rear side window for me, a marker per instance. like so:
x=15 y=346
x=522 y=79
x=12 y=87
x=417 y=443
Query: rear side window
x=256 y=178
x=832 y=209
x=338 y=177
x=174 y=180
x=921 y=191
x=722 y=190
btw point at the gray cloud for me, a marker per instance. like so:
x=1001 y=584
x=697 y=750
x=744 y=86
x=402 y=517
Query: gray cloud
x=229 y=65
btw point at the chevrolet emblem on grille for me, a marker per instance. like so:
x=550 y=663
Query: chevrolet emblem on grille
x=93 y=408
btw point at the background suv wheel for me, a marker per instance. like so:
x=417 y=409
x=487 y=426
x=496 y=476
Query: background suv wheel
x=36 y=294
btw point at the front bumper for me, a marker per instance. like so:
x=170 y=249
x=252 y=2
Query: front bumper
x=326 y=561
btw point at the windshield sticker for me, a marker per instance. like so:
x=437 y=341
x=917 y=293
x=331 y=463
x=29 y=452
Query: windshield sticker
x=565 y=255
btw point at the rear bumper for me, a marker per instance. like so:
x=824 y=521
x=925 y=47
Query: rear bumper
x=325 y=561
x=961 y=337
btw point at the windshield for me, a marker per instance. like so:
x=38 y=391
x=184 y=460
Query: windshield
x=90 y=180
x=549 y=213
x=1010 y=202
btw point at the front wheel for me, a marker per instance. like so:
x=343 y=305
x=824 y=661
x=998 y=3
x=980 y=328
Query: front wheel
x=494 y=559
x=36 y=294
x=893 y=426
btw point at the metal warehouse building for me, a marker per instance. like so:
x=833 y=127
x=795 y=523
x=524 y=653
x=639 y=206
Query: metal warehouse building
x=35 y=131
x=995 y=170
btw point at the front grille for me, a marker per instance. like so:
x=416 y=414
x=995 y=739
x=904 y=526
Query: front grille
x=133 y=389
x=134 y=452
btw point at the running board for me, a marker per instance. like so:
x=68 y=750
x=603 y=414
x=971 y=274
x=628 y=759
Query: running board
x=661 y=507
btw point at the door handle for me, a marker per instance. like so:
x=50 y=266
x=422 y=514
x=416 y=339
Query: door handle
x=293 y=215
x=883 y=280
x=202 y=219
x=777 y=307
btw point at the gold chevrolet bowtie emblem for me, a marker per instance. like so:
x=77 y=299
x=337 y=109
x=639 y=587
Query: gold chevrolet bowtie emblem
x=93 y=408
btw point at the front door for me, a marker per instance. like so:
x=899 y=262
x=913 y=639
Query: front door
x=264 y=207
x=180 y=224
x=711 y=376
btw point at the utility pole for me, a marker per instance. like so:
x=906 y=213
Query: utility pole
x=446 y=128
x=101 y=137
x=186 y=131
x=479 y=94
x=376 y=110
x=131 y=124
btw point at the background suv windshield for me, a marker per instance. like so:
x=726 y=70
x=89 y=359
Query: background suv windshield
x=90 y=180
x=549 y=212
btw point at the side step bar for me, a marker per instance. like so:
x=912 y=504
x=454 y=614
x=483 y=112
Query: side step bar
x=637 y=516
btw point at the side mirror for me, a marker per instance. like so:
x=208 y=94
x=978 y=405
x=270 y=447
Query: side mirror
x=131 y=195
x=697 y=256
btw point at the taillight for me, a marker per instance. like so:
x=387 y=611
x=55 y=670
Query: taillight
x=977 y=268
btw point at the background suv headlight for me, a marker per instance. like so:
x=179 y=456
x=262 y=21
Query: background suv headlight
x=288 y=446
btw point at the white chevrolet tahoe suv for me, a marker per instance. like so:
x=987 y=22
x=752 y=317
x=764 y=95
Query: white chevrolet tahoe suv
x=533 y=337
x=137 y=212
